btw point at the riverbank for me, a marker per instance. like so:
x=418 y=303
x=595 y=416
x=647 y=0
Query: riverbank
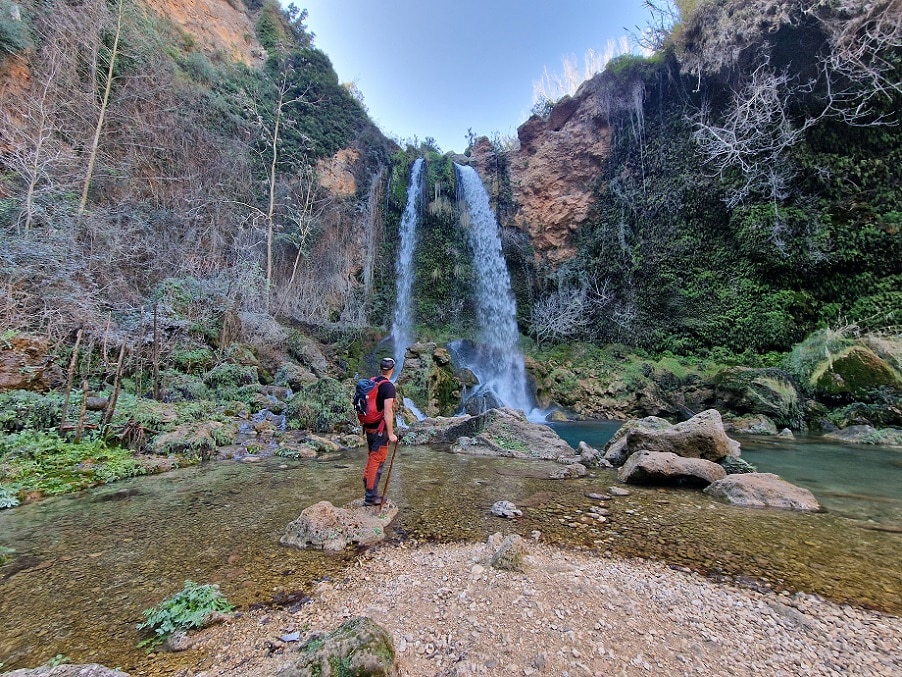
x=569 y=613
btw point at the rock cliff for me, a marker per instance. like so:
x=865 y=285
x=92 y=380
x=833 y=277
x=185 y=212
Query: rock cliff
x=554 y=172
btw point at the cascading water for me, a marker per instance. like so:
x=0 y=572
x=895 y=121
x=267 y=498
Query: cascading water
x=403 y=319
x=495 y=359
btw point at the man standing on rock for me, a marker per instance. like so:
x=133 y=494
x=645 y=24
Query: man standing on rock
x=382 y=434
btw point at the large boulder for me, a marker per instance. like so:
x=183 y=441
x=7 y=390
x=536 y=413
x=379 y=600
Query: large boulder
x=359 y=647
x=668 y=469
x=763 y=490
x=750 y=424
x=616 y=452
x=428 y=379
x=497 y=432
x=322 y=526
x=759 y=391
x=853 y=372
x=702 y=436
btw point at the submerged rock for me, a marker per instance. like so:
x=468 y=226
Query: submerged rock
x=66 y=670
x=359 y=647
x=763 y=490
x=865 y=434
x=322 y=526
x=506 y=509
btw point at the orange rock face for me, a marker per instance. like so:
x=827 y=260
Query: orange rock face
x=336 y=174
x=24 y=364
x=555 y=171
x=216 y=24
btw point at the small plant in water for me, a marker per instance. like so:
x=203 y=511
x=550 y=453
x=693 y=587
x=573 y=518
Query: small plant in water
x=190 y=608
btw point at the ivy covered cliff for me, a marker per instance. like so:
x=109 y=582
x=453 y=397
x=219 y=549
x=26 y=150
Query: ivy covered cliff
x=738 y=188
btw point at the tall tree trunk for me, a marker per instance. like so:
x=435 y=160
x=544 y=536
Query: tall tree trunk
x=104 y=104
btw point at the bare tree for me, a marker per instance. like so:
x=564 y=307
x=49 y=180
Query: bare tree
x=31 y=148
x=104 y=104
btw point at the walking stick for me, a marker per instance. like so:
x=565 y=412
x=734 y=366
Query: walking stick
x=388 y=476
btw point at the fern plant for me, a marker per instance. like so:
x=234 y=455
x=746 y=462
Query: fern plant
x=190 y=608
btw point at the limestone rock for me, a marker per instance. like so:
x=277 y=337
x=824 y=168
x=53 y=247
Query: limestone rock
x=506 y=509
x=763 y=490
x=506 y=553
x=26 y=365
x=753 y=424
x=865 y=434
x=497 y=432
x=616 y=452
x=786 y=434
x=770 y=392
x=360 y=646
x=569 y=471
x=854 y=371
x=322 y=526
x=666 y=468
x=702 y=436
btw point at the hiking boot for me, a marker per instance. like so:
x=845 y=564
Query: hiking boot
x=372 y=501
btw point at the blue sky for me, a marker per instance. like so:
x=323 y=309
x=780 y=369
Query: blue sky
x=438 y=68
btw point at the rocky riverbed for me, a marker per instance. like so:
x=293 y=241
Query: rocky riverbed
x=567 y=613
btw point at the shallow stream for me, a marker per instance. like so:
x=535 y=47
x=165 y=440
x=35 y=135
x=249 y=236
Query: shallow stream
x=86 y=565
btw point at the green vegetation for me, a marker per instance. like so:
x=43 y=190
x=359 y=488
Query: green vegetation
x=323 y=406
x=14 y=36
x=42 y=463
x=191 y=608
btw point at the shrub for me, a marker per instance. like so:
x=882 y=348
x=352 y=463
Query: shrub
x=193 y=607
x=324 y=406
x=230 y=376
x=13 y=30
x=23 y=409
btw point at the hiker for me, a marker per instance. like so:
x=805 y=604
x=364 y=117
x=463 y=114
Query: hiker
x=380 y=434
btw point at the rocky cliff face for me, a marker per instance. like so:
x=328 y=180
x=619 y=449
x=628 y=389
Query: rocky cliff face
x=216 y=24
x=554 y=172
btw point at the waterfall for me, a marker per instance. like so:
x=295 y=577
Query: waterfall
x=402 y=325
x=495 y=359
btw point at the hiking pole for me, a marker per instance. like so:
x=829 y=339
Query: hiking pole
x=388 y=476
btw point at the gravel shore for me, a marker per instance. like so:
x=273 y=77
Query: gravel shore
x=568 y=613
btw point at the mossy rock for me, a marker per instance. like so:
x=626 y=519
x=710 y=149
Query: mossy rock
x=307 y=351
x=184 y=387
x=293 y=376
x=195 y=440
x=759 y=391
x=192 y=360
x=322 y=407
x=230 y=375
x=854 y=372
x=359 y=647
x=428 y=379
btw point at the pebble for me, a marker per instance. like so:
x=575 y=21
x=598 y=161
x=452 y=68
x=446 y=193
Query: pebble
x=619 y=491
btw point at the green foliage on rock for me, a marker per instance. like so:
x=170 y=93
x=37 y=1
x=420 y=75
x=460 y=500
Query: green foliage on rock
x=323 y=407
x=192 y=607
x=42 y=463
x=14 y=36
x=26 y=410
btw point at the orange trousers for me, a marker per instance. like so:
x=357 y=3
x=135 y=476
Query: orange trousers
x=378 y=452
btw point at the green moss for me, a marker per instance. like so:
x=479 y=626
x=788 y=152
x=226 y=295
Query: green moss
x=230 y=375
x=323 y=406
x=853 y=371
x=23 y=409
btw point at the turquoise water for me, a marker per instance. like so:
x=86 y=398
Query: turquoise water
x=857 y=481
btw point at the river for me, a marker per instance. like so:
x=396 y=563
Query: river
x=86 y=565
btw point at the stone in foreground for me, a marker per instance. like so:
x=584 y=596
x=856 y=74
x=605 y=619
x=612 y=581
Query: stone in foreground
x=322 y=526
x=702 y=436
x=668 y=469
x=763 y=490
x=359 y=647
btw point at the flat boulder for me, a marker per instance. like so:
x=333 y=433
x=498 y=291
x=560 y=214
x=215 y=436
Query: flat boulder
x=763 y=490
x=702 y=436
x=668 y=469
x=322 y=526
x=497 y=432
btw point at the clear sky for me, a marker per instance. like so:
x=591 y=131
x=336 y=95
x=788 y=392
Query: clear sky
x=436 y=68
